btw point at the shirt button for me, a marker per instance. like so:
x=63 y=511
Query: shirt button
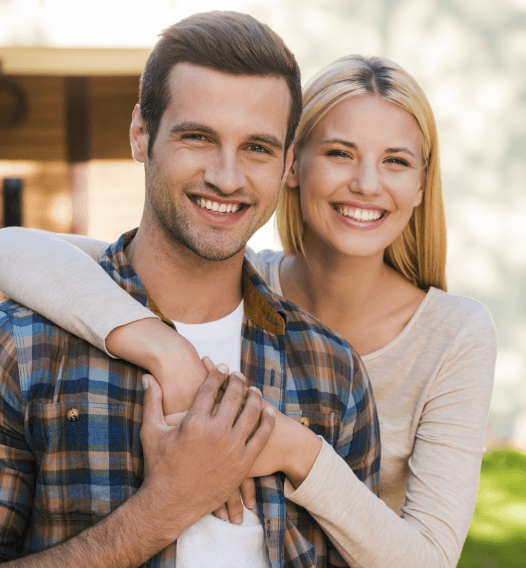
x=73 y=414
x=305 y=421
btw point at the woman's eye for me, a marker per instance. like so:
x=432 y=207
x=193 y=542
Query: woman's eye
x=337 y=154
x=398 y=161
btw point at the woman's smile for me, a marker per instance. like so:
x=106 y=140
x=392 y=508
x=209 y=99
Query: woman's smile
x=360 y=175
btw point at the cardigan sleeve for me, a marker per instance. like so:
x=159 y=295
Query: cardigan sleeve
x=444 y=471
x=58 y=276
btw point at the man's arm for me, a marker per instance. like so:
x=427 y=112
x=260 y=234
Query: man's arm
x=181 y=484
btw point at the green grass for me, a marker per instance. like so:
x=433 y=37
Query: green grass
x=497 y=536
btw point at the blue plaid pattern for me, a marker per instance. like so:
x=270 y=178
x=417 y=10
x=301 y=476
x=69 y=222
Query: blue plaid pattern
x=70 y=419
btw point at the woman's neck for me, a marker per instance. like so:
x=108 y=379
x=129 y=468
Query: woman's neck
x=362 y=299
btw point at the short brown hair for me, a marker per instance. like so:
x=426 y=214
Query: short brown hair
x=229 y=42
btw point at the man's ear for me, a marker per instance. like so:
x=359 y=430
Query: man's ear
x=138 y=136
x=291 y=177
x=289 y=158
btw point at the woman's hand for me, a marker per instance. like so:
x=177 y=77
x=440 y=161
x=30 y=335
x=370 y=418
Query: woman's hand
x=233 y=508
x=168 y=356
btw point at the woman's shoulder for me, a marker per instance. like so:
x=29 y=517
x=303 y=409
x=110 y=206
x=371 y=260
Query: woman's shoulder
x=266 y=262
x=453 y=315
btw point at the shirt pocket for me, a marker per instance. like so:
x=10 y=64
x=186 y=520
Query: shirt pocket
x=83 y=459
x=325 y=424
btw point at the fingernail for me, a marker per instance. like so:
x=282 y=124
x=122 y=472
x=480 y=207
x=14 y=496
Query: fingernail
x=222 y=368
x=238 y=519
x=270 y=410
x=223 y=515
x=255 y=389
x=240 y=375
x=251 y=504
x=144 y=383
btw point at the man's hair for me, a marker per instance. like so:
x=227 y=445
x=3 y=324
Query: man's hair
x=228 y=42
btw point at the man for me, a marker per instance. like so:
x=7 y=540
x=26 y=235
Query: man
x=220 y=99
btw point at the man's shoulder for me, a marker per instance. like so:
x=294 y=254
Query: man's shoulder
x=320 y=346
x=17 y=316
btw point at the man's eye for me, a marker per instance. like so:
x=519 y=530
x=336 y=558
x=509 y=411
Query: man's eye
x=195 y=137
x=258 y=149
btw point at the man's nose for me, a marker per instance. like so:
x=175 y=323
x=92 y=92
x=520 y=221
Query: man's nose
x=225 y=172
x=366 y=179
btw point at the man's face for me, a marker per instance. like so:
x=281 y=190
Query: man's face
x=217 y=161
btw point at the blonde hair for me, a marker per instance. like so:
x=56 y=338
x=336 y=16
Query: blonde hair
x=419 y=252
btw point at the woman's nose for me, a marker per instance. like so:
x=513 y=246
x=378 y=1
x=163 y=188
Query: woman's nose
x=365 y=179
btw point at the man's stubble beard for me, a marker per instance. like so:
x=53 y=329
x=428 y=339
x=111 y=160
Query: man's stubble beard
x=176 y=226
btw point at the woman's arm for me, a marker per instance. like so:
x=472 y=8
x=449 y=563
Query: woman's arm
x=445 y=469
x=58 y=276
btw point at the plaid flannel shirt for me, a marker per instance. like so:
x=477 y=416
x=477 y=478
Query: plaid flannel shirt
x=70 y=418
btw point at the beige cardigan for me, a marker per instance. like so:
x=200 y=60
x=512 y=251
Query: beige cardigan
x=432 y=386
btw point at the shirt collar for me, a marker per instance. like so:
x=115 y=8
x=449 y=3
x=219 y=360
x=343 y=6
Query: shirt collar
x=262 y=306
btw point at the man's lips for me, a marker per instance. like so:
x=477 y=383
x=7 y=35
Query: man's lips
x=217 y=206
x=219 y=212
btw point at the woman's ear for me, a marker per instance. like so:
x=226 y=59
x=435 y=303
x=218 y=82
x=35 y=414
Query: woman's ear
x=138 y=136
x=420 y=193
x=292 y=178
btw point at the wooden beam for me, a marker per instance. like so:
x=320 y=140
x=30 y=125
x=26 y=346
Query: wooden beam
x=72 y=61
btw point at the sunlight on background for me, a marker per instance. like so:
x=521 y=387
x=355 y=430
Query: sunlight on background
x=470 y=58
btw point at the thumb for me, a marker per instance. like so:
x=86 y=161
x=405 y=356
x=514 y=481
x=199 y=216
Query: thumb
x=153 y=402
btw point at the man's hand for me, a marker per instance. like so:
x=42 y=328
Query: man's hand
x=193 y=468
x=190 y=469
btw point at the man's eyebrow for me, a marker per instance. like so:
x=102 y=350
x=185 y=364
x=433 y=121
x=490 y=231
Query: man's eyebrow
x=186 y=126
x=267 y=139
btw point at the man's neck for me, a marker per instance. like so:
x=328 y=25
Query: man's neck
x=185 y=287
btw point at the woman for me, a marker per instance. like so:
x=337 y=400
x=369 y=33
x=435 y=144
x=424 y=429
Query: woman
x=362 y=224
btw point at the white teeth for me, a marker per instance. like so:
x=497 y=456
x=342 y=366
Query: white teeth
x=217 y=207
x=359 y=214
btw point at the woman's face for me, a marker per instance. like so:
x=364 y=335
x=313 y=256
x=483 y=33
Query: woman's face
x=360 y=174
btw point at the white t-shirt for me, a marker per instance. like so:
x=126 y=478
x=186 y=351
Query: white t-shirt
x=211 y=542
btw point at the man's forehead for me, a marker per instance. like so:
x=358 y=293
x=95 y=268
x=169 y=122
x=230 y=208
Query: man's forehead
x=208 y=94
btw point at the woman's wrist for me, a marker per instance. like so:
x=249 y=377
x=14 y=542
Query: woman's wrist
x=305 y=447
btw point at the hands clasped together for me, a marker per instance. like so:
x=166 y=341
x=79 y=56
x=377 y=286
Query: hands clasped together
x=204 y=458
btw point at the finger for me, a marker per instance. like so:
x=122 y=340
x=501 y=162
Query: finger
x=153 y=402
x=232 y=400
x=234 y=507
x=262 y=434
x=221 y=513
x=207 y=393
x=175 y=419
x=207 y=362
x=248 y=492
x=249 y=417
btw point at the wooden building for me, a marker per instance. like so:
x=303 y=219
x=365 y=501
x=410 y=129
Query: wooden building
x=73 y=133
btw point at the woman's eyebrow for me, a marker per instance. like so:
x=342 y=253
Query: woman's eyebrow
x=339 y=141
x=401 y=149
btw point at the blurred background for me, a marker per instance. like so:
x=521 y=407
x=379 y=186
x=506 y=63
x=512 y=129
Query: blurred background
x=68 y=81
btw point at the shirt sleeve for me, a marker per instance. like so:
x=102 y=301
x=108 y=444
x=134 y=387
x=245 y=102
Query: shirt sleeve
x=58 y=276
x=444 y=471
x=16 y=459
